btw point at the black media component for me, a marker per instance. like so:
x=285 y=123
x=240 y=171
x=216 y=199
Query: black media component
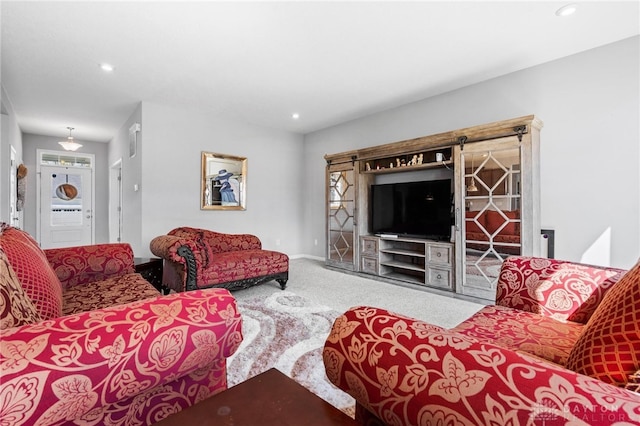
x=413 y=209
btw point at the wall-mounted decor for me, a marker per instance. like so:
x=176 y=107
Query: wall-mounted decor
x=224 y=182
x=133 y=139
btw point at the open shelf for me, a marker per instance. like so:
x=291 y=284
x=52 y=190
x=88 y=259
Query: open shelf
x=413 y=260
x=403 y=252
x=403 y=277
x=410 y=161
x=403 y=265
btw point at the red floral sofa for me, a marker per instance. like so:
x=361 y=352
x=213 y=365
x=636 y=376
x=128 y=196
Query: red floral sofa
x=85 y=340
x=504 y=225
x=198 y=258
x=560 y=346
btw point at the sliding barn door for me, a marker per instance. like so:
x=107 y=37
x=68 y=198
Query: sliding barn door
x=341 y=216
x=488 y=213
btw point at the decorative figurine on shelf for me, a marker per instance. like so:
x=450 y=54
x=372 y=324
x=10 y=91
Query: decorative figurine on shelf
x=367 y=166
x=420 y=159
x=414 y=160
x=391 y=165
x=397 y=162
x=403 y=163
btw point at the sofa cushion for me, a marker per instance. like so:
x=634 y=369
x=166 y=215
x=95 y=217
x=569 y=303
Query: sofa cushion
x=523 y=331
x=33 y=271
x=609 y=347
x=563 y=290
x=15 y=306
x=244 y=264
x=84 y=264
x=633 y=382
x=110 y=292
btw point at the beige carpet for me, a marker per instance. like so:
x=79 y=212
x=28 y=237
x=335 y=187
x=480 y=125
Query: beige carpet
x=286 y=331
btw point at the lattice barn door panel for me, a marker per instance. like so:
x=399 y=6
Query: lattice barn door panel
x=489 y=207
x=341 y=209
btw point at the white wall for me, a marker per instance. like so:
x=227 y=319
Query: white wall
x=590 y=146
x=31 y=143
x=10 y=136
x=131 y=175
x=172 y=141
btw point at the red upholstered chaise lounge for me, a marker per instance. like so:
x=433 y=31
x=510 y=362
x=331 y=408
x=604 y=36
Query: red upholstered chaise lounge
x=198 y=258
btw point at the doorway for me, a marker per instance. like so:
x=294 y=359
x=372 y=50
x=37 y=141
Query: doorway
x=15 y=212
x=115 y=202
x=65 y=199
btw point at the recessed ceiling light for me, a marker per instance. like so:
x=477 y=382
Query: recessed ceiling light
x=106 y=67
x=295 y=115
x=566 y=10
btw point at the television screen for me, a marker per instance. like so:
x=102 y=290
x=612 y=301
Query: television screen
x=412 y=209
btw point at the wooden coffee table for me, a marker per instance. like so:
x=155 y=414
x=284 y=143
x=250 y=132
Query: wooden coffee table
x=270 y=398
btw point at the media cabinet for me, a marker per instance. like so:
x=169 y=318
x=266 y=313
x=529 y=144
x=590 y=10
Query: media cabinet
x=494 y=168
x=411 y=260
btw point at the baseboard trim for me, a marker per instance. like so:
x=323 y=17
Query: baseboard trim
x=306 y=256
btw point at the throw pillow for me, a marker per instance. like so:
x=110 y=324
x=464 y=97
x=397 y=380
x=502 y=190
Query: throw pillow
x=33 y=271
x=609 y=347
x=633 y=384
x=15 y=306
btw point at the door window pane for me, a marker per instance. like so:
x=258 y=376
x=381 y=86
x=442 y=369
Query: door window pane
x=66 y=199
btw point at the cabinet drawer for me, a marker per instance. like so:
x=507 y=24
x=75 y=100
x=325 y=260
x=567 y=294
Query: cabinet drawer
x=369 y=265
x=370 y=246
x=439 y=254
x=440 y=278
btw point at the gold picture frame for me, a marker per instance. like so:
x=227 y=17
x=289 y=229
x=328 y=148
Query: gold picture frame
x=224 y=182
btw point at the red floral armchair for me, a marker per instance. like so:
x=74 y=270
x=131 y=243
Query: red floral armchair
x=85 y=340
x=561 y=346
x=198 y=258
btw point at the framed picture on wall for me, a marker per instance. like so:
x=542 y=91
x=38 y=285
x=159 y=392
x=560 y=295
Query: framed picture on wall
x=224 y=182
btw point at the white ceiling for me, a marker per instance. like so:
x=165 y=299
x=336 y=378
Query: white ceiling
x=261 y=61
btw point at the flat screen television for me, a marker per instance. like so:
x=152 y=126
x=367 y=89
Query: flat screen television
x=412 y=209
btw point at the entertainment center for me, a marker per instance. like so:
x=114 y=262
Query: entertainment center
x=439 y=211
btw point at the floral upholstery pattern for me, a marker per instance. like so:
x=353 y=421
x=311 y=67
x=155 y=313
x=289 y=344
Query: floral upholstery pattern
x=509 y=364
x=85 y=264
x=33 y=271
x=238 y=265
x=217 y=242
x=407 y=372
x=15 y=306
x=112 y=291
x=562 y=290
x=106 y=366
x=523 y=331
x=614 y=329
x=219 y=258
x=122 y=354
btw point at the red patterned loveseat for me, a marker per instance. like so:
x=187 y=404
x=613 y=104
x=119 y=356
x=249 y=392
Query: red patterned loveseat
x=198 y=258
x=85 y=340
x=560 y=346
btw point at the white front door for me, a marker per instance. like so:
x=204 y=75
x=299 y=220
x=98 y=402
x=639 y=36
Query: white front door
x=66 y=215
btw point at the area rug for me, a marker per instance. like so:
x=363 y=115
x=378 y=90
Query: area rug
x=287 y=332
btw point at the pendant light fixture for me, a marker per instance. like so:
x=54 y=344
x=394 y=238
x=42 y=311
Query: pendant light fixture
x=70 y=144
x=472 y=185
